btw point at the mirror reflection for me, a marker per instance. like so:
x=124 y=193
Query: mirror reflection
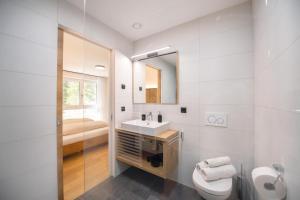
x=155 y=79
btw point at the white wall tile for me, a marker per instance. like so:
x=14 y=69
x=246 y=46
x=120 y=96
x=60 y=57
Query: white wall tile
x=228 y=19
x=224 y=140
x=231 y=92
x=191 y=137
x=188 y=67
x=123 y=75
x=278 y=85
x=123 y=97
x=24 y=56
x=19 y=123
x=28 y=38
x=46 y=8
x=215 y=74
x=37 y=184
x=277 y=92
x=30 y=154
x=276 y=21
x=285 y=27
x=238 y=66
x=226 y=43
x=139 y=75
x=14 y=21
x=24 y=89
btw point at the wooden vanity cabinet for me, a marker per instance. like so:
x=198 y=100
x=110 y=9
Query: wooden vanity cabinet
x=131 y=150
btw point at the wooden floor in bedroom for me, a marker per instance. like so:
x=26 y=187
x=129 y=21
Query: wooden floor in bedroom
x=83 y=171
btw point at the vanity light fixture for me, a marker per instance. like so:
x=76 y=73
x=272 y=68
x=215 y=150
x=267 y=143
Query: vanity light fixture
x=100 y=67
x=152 y=51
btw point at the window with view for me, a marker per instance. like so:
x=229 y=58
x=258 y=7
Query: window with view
x=90 y=93
x=71 y=92
x=78 y=93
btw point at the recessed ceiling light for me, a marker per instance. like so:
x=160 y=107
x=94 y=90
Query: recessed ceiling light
x=137 y=25
x=99 y=67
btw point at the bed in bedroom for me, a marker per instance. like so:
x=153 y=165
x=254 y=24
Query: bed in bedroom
x=80 y=134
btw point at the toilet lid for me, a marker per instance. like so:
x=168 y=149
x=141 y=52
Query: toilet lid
x=219 y=187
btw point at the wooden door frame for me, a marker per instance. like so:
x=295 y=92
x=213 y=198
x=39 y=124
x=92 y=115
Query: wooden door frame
x=59 y=106
x=59 y=114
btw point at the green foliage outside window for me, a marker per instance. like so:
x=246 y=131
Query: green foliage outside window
x=79 y=92
x=71 y=92
x=90 y=93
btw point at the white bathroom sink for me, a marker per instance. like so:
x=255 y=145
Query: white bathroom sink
x=151 y=128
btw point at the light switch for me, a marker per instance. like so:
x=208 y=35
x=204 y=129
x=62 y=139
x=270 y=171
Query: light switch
x=216 y=119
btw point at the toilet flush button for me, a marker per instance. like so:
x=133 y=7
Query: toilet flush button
x=216 y=119
x=211 y=119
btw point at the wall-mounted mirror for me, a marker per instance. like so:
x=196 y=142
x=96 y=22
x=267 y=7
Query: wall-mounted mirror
x=155 y=79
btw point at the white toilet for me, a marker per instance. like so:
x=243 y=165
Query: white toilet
x=213 y=190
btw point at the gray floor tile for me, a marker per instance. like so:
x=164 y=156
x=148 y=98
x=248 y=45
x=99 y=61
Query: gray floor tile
x=135 y=184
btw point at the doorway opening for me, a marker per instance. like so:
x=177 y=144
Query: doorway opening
x=83 y=111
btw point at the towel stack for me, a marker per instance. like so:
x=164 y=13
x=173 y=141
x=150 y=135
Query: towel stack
x=216 y=168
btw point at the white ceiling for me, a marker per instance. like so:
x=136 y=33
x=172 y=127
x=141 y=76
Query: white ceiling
x=154 y=15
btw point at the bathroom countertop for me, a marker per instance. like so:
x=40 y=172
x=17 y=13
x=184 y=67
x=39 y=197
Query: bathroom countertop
x=163 y=136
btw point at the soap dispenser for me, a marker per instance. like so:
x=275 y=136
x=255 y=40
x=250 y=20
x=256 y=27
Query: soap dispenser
x=159 y=117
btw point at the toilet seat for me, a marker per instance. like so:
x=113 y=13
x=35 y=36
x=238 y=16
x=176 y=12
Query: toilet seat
x=221 y=187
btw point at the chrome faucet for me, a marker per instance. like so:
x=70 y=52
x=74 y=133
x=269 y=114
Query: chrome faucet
x=149 y=116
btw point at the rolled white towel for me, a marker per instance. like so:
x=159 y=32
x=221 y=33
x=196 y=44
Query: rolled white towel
x=216 y=173
x=219 y=161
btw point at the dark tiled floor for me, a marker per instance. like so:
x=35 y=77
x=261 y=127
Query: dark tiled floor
x=135 y=184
